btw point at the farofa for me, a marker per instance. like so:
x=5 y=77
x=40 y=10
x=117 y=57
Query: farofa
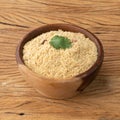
x=42 y=58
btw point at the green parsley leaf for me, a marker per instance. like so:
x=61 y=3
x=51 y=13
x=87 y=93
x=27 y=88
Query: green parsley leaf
x=60 y=42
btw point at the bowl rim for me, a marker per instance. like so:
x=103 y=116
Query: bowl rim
x=82 y=30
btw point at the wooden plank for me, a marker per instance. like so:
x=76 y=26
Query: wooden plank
x=100 y=101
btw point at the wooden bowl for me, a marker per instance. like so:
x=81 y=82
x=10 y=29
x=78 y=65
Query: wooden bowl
x=65 y=88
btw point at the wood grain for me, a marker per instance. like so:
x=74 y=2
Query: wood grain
x=101 y=100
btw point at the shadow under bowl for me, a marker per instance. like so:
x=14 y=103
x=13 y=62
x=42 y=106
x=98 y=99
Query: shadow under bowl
x=60 y=88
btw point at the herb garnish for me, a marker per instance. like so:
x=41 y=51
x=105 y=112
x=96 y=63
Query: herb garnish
x=60 y=42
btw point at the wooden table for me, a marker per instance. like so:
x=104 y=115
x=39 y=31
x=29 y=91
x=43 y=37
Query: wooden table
x=101 y=100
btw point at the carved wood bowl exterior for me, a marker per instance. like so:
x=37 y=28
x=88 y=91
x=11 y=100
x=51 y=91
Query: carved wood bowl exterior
x=59 y=88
